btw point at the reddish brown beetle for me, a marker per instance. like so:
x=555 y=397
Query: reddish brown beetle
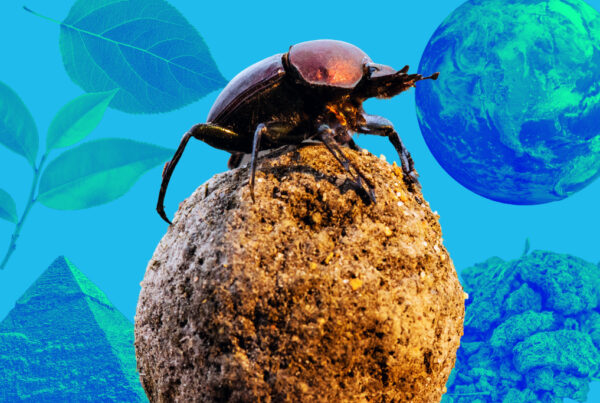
x=314 y=91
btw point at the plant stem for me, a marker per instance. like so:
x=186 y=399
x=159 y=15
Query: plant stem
x=41 y=15
x=30 y=202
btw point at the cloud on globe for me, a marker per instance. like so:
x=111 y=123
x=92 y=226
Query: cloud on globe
x=515 y=113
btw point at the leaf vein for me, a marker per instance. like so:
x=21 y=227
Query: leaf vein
x=93 y=60
x=168 y=40
x=112 y=28
x=119 y=43
x=90 y=12
x=140 y=77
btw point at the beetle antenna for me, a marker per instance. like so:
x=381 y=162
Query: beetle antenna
x=166 y=175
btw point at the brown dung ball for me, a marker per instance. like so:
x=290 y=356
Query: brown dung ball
x=308 y=294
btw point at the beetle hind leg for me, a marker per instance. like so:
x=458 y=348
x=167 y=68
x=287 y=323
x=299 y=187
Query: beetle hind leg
x=214 y=135
x=166 y=175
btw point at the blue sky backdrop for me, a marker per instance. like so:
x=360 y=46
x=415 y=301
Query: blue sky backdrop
x=112 y=243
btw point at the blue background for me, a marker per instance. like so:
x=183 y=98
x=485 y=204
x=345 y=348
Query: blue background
x=112 y=243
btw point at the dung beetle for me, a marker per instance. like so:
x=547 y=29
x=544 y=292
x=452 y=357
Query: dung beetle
x=314 y=91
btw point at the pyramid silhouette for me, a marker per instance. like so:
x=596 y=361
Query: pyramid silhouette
x=65 y=342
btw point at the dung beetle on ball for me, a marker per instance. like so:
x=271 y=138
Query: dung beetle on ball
x=314 y=91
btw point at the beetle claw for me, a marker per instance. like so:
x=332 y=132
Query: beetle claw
x=372 y=195
x=163 y=215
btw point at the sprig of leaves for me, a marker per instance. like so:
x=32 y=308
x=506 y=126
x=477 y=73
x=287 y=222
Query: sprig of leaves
x=84 y=176
x=139 y=56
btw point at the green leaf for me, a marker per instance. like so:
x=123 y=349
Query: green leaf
x=97 y=172
x=17 y=128
x=145 y=48
x=77 y=119
x=8 y=208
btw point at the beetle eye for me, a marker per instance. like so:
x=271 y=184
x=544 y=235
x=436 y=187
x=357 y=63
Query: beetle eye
x=371 y=68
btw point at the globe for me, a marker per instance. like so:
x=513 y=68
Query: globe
x=515 y=113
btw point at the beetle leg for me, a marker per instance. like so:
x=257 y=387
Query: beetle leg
x=260 y=130
x=166 y=176
x=326 y=136
x=212 y=134
x=235 y=160
x=354 y=146
x=380 y=126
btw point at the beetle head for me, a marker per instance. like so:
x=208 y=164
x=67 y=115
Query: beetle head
x=382 y=81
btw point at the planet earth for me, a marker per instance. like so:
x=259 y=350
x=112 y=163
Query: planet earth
x=515 y=113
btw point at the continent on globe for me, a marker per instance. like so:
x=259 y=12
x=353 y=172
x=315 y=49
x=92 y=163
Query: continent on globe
x=515 y=114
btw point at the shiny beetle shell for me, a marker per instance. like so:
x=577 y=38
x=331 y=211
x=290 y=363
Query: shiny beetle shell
x=245 y=85
x=328 y=62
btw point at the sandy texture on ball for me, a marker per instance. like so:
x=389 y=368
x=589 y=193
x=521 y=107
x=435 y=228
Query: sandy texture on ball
x=308 y=294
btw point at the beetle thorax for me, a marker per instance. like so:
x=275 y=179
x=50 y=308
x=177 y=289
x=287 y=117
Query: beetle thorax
x=327 y=62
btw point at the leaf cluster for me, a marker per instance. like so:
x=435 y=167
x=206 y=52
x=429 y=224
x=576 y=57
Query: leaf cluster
x=84 y=176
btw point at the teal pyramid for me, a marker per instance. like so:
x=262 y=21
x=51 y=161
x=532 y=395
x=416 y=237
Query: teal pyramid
x=65 y=342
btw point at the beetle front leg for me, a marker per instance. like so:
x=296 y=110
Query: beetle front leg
x=235 y=160
x=380 y=126
x=211 y=134
x=326 y=136
x=258 y=133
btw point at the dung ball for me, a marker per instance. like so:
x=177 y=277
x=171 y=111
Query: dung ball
x=311 y=293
